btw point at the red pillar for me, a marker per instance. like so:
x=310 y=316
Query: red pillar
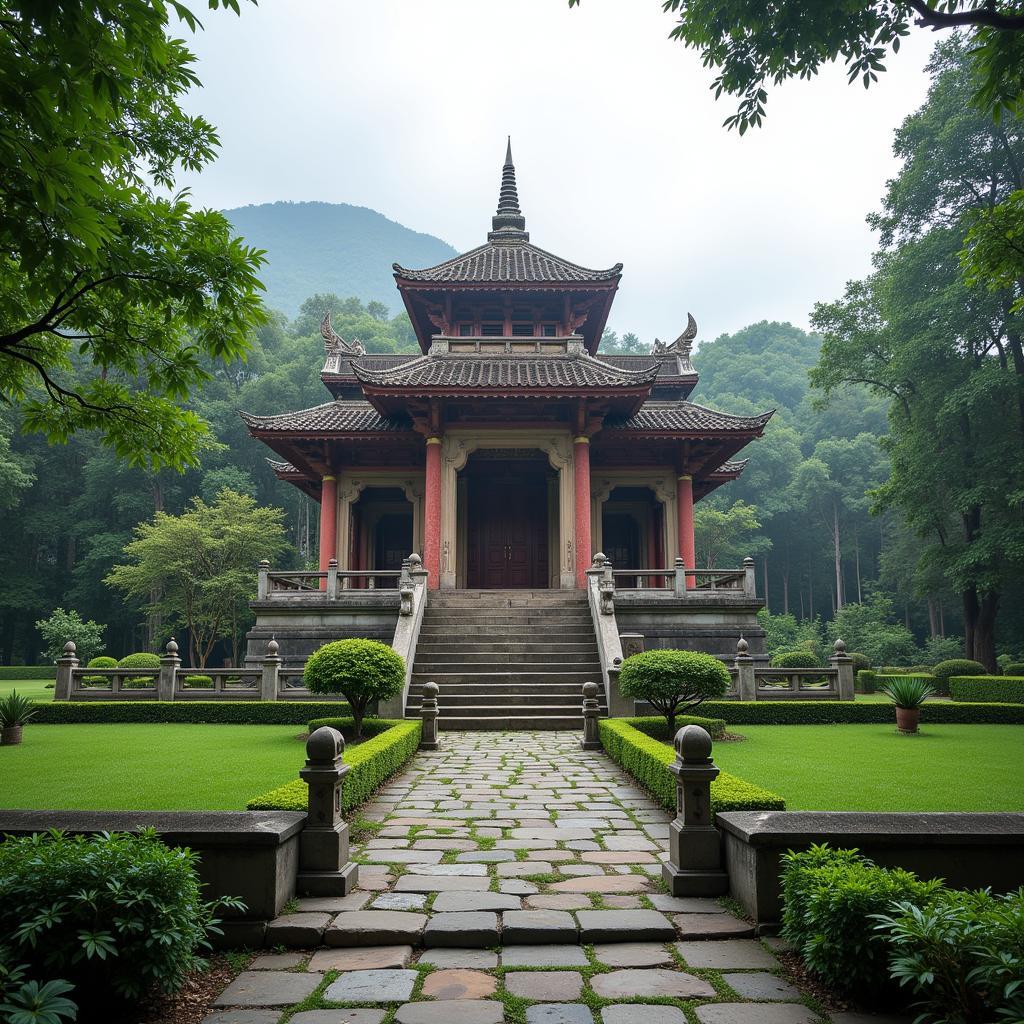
x=432 y=515
x=328 y=522
x=684 y=496
x=581 y=464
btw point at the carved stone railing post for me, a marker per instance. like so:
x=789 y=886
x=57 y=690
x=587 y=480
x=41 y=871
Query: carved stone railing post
x=167 y=680
x=601 y=599
x=746 y=681
x=324 y=865
x=749 y=582
x=269 y=676
x=679 y=587
x=591 y=711
x=263 y=581
x=65 y=665
x=429 y=712
x=332 y=579
x=694 y=866
x=412 y=598
x=844 y=671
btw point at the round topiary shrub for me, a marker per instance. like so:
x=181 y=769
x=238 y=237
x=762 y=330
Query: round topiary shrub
x=361 y=670
x=103 y=661
x=199 y=682
x=140 y=660
x=795 y=659
x=673 y=681
x=955 y=667
x=860 y=662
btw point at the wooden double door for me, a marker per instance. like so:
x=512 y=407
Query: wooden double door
x=508 y=532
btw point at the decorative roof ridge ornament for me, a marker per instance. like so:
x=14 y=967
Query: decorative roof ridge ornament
x=681 y=347
x=334 y=343
x=508 y=224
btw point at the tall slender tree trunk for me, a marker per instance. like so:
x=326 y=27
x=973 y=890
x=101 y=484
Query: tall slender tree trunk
x=856 y=555
x=980 y=627
x=933 y=618
x=838 y=597
x=802 y=616
x=812 y=593
x=765 y=574
x=942 y=619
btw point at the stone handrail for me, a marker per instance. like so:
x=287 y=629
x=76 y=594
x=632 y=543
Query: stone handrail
x=412 y=590
x=752 y=682
x=283 y=585
x=679 y=580
x=601 y=598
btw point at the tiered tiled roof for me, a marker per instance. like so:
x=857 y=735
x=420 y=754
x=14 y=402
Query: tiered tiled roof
x=508 y=261
x=334 y=417
x=502 y=371
x=686 y=417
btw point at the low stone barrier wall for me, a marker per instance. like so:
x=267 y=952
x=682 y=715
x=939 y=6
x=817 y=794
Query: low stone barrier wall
x=967 y=850
x=253 y=855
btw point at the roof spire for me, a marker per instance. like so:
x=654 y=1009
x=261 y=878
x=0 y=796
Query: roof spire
x=508 y=223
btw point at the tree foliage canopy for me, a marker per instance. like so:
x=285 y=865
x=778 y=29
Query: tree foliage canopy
x=113 y=292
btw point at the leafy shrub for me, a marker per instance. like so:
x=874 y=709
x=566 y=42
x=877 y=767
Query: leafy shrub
x=963 y=955
x=363 y=670
x=942 y=648
x=27 y=1002
x=787 y=633
x=226 y=712
x=103 y=661
x=830 y=897
x=1013 y=668
x=647 y=760
x=27 y=672
x=673 y=681
x=979 y=688
x=117 y=915
x=139 y=660
x=871 y=628
x=795 y=659
x=372 y=763
x=955 y=667
x=198 y=682
x=63 y=626
x=16 y=709
x=906 y=691
x=867 y=681
x=860 y=661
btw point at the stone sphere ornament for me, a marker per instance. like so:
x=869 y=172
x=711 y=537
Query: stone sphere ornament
x=325 y=745
x=590 y=691
x=693 y=745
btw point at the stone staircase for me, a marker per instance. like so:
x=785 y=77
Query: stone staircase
x=507 y=659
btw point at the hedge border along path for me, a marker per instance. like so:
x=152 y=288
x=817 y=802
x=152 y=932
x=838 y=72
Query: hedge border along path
x=973 y=688
x=834 y=712
x=647 y=759
x=190 y=712
x=20 y=672
x=372 y=763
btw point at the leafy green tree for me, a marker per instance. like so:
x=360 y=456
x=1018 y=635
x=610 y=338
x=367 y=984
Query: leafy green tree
x=63 y=626
x=948 y=355
x=786 y=633
x=869 y=629
x=751 y=46
x=198 y=569
x=727 y=536
x=112 y=291
x=628 y=345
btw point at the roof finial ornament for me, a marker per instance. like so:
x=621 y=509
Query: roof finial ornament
x=334 y=343
x=508 y=223
x=682 y=346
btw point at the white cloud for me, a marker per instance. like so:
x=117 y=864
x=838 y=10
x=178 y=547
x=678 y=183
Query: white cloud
x=404 y=107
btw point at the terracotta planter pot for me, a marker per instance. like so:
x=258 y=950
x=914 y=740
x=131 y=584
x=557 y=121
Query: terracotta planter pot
x=907 y=719
x=10 y=736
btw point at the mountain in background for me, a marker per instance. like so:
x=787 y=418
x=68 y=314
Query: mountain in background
x=332 y=247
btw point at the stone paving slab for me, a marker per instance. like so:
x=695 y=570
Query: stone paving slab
x=462 y=901
x=268 y=988
x=458 y=983
x=755 y=1013
x=463 y=930
x=543 y=956
x=631 y=1013
x=297 y=929
x=624 y=925
x=360 y=958
x=655 y=981
x=243 y=1017
x=559 y=1013
x=726 y=953
x=375 y=928
x=529 y=927
x=711 y=926
x=478 y=959
x=353 y=1015
x=762 y=986
x=631 y=954
x=452 y=1011
x=383 y=986
x=545 y=986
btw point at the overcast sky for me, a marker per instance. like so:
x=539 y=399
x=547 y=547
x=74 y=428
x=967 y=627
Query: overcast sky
x=619 y=149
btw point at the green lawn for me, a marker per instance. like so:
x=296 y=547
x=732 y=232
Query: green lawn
x=873 y=768
x=148 y=767
x=34 y=689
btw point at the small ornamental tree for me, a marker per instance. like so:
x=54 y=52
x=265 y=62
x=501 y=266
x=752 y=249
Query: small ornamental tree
x=673 y=681
x=362 y=670
x=63 y=626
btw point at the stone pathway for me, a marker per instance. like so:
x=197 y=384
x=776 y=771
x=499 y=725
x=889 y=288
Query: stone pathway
x=513 y=877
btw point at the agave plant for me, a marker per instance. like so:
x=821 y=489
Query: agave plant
x=15 y=710
x=908 y=692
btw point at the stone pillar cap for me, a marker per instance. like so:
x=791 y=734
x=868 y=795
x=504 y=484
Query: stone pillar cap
x=324 y=746
x=590 y=690
x=693 y=745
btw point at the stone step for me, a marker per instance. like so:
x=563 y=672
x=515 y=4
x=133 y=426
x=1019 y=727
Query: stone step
x=445 y=678
x=501 y=700
x=531 y=689
x=535 y=661
x=503 y=623
x=489 y=632
x=504 y=646
x=468 y=721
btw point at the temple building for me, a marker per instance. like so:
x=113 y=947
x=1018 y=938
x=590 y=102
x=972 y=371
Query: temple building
x=510 y=449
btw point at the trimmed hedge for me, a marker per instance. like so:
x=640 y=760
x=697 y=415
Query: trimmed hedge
x=1013 y=668
x=945 y=670
x=1006 y=689
x=795 y=659
x=657 y=728
x=193 y=712
x=867 y=681
x=27 y=672
x=647 y=760
x=837 y=712
x=373 y=762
